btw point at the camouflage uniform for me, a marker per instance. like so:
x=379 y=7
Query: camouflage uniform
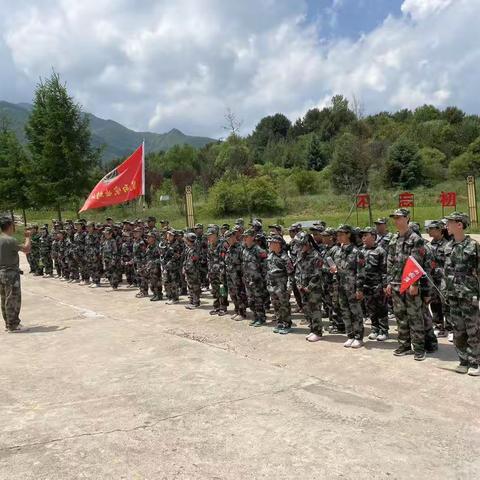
x=34 y=255
x=193 y=275
x=110 y=259
x=216 y=275
x=308 y=277
x=92 y=257
x=350 y=278
x=202 y=252
x=46 y=263
x=126 y=255
x=280 y=270
x=293 y=251
x=234 y=274
x=139 y=263
x=153 y=269
x=71 y=270
x=62 y=261
x=408 y=309
x=375 y=300
x=79 y=265
x=55 y=256
x=461 y=288
x=254 y=271
x=171 y=256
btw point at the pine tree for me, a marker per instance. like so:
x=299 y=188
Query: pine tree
x=316 y=155
x=59 y=142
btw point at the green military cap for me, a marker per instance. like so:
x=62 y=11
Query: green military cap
x=99 y=225
x=459 y=217
x=137 y=229
x=239 y=221
x=151 y=219
x=381 y=221
x=319 y=223
x=249 y=232
x=164 y=222
x=191 y=237
x=212 y=231
x=90 y=224
x=275 y=238
x=151 y=234
x=226 y=225
x=43 y=227
x=370 y=230
x=229 y=233
x=275 y=226
x=400 y=212
x=316 y=229
x=329 y=232
x=302 y=238
x=345 y=228
x=107 y=230
x=77 y=222
x=109 y=219
x=256 y=223
x=294 y=227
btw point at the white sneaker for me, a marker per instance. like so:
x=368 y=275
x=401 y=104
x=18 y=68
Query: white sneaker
x=450 y=337
x=357 y=343
x=308 y=336
x=373 y=336
x=474 y=371
x=381 y=337
x=95 y=285
x=313 y=337
x=349 y=343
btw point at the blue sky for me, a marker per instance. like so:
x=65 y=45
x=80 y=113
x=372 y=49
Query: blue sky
x=161 y=64
x=350 y=18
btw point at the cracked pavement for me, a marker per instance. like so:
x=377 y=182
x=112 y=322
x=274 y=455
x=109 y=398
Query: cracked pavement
x=106 y=386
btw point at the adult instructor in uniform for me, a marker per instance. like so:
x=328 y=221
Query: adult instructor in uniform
x=10 y=290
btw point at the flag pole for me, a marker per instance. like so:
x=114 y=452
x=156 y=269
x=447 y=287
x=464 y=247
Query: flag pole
x=143 y=174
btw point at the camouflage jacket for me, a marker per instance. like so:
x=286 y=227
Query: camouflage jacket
x=171 y=255
x=375 y=266
x=233 y=262
x=152 y=257
x=92 y=245
x=109 y=251
x=45 y=244
x=399 y=249
x=216 y=259
x=254 y=264
x=191 y=260
x=437 y=259
x=201 y=246
x=279 y=267
x=139 y=253
x=384 y=240
x=79 y=245
x=462 y=269
x=126 y=252
x=308 y=270
x=294 y=250
x=350 y=262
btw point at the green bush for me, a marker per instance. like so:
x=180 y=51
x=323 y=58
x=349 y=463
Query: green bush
x=242 y=194
x=305 y=181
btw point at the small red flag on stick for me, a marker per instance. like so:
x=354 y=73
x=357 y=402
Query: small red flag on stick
x=411 y=273
x=124 y=183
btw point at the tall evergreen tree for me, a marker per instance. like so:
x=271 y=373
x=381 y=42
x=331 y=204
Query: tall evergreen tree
x=316 y=155
x=58 y=136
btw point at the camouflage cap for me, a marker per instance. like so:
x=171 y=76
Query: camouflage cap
x=257 y=223
x=295 y=227
x=414 y=226
x=329 y=232
x=151 y=219
x=275 y=226
x=240 y=221
x=198 y=226
x=78 y=222
x=459 y=217
x=344 y=228
x=435 y=224
x=225 y=225
x=381 y=221
x=90 y=224
x=151 y=234
x=137 y=229
x=319 y=223
x=43 y=227
x=275 y=238
x=229 y=233
x=370 y=230
x=212 y=231
x=316 y=229
x=302 y=238
x=109 y=219
x=400 y=212
x=237 y=228
x=107 y=230
x=99 y=225
x=190 y=236
x=249 y=232
x=164 y=222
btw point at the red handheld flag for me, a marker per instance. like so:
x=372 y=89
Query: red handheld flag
x=411 y=273
x=122 y=184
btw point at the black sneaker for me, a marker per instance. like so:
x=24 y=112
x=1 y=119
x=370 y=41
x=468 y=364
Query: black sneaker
x=155 y=298
x=419 y=356
x=401 y=351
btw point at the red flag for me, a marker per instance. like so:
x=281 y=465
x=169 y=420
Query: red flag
x=411 y=273
x=122 y=184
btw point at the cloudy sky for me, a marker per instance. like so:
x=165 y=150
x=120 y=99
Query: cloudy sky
x=162 y=64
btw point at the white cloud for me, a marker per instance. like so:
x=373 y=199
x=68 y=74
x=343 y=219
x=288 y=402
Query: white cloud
x=156 y=64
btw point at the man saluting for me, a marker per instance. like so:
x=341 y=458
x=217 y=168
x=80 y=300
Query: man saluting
x=10 y=290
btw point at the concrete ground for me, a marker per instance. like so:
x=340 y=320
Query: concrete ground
x=106 y=386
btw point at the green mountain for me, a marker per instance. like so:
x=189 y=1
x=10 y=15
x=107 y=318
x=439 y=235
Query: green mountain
x=116 y=140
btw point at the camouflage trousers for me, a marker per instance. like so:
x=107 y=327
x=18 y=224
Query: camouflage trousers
x=351 y=311
x=312 y=309
x=296 y=293
x=154 y=278
x=47 y=262
x=33 y=260
x=376 y=308
x=129 y=272
x=11 y=297
x=255 y=290
x=171 y=283
x=57 y=266
x=194 y=285
x=141 y=275
x=220 y=302
x=93 y=270
x=280 y=296
x=409 y=313
x=112 y=272
x=203 y=270
x=465 y=319
x=331 y=306
x=236 y=289
x=73 y=269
